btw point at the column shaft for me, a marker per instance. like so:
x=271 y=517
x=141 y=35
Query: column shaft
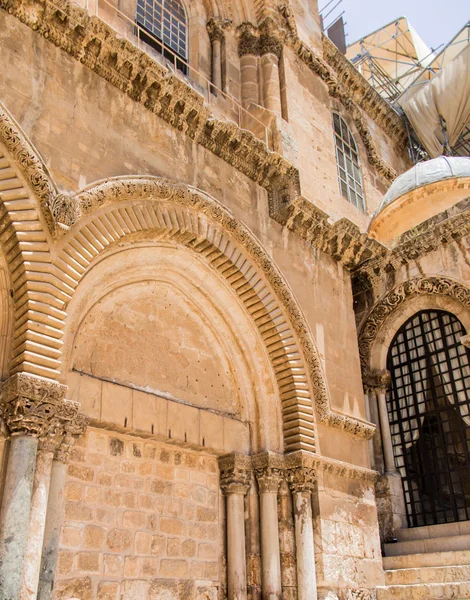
x=270 y=553
x=55 y=511
x=14 y=515
x=37 y=521
x=386 y=433
x=249 y=79
x=217 y=63
x=305 y=550
x=236 y=555
x=271 y=83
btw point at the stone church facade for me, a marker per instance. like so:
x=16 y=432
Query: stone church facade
x=234 y=345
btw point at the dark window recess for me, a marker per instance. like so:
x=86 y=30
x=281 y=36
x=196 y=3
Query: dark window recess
x=165 y=29
x=429 y=413
x=347 y=160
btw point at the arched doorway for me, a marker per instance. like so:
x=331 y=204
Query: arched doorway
x=429 y=413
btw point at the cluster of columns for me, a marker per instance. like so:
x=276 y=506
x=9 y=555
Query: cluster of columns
x=216 y=28
x=270 y=469
x=42 y=426
x=260 y=47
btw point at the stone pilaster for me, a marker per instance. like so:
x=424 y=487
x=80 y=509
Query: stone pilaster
x=269 y=471
x=235 y=477
x=300 y=473
x=32 y=408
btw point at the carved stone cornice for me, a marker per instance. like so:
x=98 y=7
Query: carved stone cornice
x=300 y=472
x=376 y=379
x=447 y=227
x=269 y=470
x=395 y=298
x=32 y=405
x=235 y=473
x=342 y=469
x=217 y=27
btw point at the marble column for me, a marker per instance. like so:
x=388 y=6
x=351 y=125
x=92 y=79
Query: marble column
x=269 y=468
x=301 y=478
x=386 y=434
x=30 y=407
x=47 y=506
x=248 y=50
x=235 y=476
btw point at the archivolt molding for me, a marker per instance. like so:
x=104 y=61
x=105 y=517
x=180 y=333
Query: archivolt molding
x=192 y=218
x=443 y=286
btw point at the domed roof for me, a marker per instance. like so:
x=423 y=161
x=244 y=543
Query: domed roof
x=424 y=173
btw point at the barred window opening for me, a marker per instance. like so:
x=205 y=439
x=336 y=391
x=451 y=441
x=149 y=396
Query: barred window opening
x=347 y=160
x=429 y=415
x=165 y=21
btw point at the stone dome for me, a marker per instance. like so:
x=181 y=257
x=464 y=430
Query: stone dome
x=424 y=173
x=422 y=192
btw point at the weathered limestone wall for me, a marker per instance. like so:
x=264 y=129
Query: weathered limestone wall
x=347 y=543
x=142 y=519
x=87 y=130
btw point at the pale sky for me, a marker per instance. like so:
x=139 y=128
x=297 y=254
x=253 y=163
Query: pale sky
x=436 y=21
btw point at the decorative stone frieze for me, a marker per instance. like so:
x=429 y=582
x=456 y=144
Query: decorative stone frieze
x=32 y=405
x=235 y=473
x=269 y=470
x=396 y=297
x=217 y=27
x=300 y=471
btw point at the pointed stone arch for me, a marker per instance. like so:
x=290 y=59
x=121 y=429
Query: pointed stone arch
x=436 y=292
x=27 y=198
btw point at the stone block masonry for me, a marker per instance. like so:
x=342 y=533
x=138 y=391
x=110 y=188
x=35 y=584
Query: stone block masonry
x=141 y=520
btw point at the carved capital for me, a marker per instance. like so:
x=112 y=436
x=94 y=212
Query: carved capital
x=265 y=39
x=300 y=471
x=248 y=40
x=378 y=380
x=235 y=473
x=73 y=429
x=269 y=470
x=465 y=340
x=216 y=28
x=32 y=405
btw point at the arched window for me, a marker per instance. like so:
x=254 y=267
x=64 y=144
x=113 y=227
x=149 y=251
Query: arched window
x=429 y=415
x=347 y=159
x=166 y=21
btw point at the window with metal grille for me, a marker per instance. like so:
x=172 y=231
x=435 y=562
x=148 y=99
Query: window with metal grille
x=347 y=160
x=429 y=415
x=165 y=21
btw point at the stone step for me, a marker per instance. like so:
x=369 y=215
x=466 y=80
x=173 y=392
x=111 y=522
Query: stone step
x=428 y=545
x=426 y=591
x=431 y=559
x=428 y=575
x=434 y=531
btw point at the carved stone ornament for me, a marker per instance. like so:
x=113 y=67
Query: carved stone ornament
x=377 y=379
x=235 y=473
x=269 y=470
x=393 y=300
x=216 y=28
x=33 y=405
x=73 y=429
x=300 y=471
x=465 y=340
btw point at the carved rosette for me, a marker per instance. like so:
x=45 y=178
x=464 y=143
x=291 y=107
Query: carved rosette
x=269 y=470
x=300 y=472
x=235 y=473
